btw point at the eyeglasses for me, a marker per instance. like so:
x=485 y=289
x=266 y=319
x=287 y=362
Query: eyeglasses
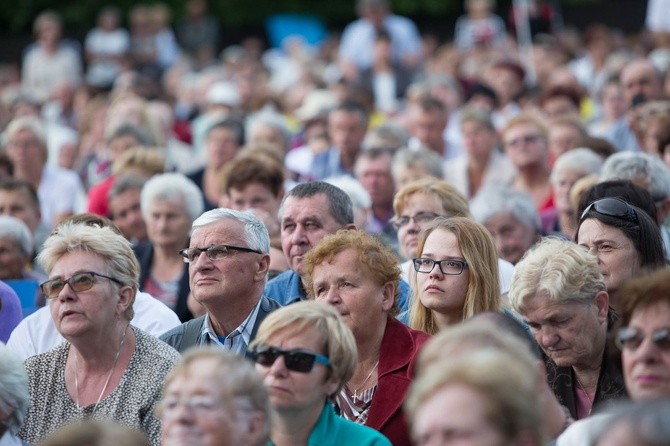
x=213 y=252
x=631 y=338
x=612 y=207
x=418 y=218
x=198 y=404
x=295 y=360
x=450 y=267
x=78 y=282
x=527 y=139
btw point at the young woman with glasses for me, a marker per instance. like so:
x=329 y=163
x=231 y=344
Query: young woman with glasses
x=306 y=354
x=456 y=274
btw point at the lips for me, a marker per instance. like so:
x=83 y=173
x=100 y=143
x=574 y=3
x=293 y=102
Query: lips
x=433 y=288
x=649 y=379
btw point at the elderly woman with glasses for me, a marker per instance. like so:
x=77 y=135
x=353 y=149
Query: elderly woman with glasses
x=624 y=239
x=456 y=274
x=214 y=398
x=306 y=354
x=106 y=369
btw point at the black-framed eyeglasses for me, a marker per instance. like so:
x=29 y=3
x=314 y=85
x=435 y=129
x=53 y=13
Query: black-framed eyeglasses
x=79 y=282
x=611 y=207
x=450 y=267
x=213 y=252
x=418 y=218
x=295 y=360
x=632 y=338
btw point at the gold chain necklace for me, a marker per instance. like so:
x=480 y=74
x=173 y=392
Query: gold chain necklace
x=109 y=376
x=360 y=386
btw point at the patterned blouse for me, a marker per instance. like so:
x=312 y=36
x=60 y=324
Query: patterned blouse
x=131 y=403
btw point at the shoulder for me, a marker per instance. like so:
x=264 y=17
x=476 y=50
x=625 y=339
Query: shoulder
x=36 y=365
x=150 y=347
x=175 y=336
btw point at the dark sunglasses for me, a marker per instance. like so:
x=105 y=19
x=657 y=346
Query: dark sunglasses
x=295 y=360
x=82 y=281
x=631 y=338
x=612 y=207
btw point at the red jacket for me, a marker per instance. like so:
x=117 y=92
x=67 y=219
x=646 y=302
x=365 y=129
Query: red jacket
x=397 y=357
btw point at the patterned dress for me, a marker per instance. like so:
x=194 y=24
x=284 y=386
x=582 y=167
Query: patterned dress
x=131 y=403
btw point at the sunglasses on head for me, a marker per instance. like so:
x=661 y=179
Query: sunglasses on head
x=612 y=207
x=295 y=360
x=631 y=338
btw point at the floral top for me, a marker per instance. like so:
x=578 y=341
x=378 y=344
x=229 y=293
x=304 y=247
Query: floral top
x=131 y=403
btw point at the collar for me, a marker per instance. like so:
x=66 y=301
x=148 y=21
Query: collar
x=238 y=339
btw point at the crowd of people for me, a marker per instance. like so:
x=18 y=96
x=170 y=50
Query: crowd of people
x=381 y=239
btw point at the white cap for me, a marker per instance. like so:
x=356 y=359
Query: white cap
x=317 y=103
x=223 y=93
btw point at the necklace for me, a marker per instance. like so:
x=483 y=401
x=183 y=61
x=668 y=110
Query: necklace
x=109 y=376
x=360 y=386
x=581 y=386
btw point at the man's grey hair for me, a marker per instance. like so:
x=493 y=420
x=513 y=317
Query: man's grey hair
x=339 y=203
x=581 y=160
x=256 y=234
x=124 y=183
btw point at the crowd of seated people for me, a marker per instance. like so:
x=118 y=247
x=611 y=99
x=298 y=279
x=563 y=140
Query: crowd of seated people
x=392 y=240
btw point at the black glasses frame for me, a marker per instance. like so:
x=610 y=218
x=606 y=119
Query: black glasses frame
x=421 y=261
x=611 y=207
x=295 y=360
x=51 y=291
x=192 y=254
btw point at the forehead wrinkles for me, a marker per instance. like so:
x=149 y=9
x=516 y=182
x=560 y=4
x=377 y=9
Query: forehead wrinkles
x=223 y=232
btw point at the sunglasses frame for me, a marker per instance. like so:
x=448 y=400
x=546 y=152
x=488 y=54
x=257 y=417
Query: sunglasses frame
x=290 y=358
x=626 y=213
x=68 y=281
x=658 y=337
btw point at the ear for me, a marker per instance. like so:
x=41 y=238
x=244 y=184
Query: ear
x=332 y=386
x=263 y=267
x=388 y=296
x=350 y=226
x=663 y=209
x=602 y=301
x=126 y=298
x=255 y=426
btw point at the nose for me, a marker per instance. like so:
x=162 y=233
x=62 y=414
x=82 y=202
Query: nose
x=436 y=273
x=333 y=296
x=648 y=351
x=299 y=236
x=66 y=293
x=278 y=368
x=202 y=262
x=548 y=339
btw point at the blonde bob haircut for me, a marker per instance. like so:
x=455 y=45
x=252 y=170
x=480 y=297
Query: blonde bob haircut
x=558 y=270
x=479 y=250
x=240 y=385
x=338 y=341
x=452 y=202
x=30 y=124
x=507 y=385
x=526 y=119
x=373 y=255
x=103 y=242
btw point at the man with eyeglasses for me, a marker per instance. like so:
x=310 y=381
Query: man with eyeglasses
x=644 y=341
x=228 y=259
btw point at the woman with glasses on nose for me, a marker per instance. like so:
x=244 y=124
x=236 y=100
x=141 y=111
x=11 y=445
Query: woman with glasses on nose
x=644 y=341
x=306 y=354
x=456 y=274
x=106 y=369
x=624 y=238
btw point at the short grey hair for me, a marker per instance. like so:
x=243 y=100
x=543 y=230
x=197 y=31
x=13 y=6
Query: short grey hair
x=639 y=166
x=269 y=119
x=339 y=203
x=427 y=159
x=582 y=160
x=14 y=396
x=492 y=201
x=257 y=236
x=558 y=270
x=124 y=183
x=15 y=229
x=168 y=186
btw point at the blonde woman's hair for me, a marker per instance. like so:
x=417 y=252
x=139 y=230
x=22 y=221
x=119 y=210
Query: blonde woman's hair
x=507 y=384
x=338 y=341
x=144 y=160
x=116 y=252
x=453 y=203
x=479 y=251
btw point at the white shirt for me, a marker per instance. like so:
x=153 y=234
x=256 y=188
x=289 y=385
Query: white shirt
x=37 y=333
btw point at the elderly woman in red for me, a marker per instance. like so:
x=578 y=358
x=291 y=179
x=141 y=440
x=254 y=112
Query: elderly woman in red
x=359 y=276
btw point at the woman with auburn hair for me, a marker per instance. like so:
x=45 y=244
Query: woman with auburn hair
x=456 y=274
